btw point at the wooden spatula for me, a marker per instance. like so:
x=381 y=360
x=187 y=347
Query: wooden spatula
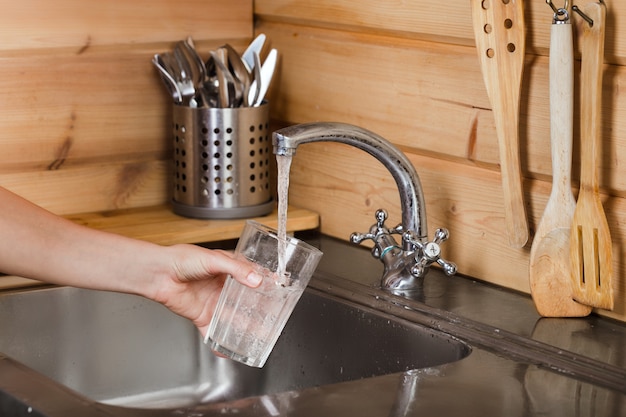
x=550 y=269
x=500 y=41
x=591 y=249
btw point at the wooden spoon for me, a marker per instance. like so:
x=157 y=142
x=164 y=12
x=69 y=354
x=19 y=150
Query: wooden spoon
x=500 y=41
x=549 y=255
x=591 y=249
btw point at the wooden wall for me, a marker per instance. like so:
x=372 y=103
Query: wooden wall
x=85 y=118
x=409 y=71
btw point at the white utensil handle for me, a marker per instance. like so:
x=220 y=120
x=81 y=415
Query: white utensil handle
x=255 y=47
x=267 y=72
x=561 y=103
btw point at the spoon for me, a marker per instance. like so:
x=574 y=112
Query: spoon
x=240 y=72
x=167 y=78
x=254 y=48
x=255 y=87
x=228 y=92
x=196 y=66
x=262 y=77
x=184 y=76
x=550 y=267
x=267 y=73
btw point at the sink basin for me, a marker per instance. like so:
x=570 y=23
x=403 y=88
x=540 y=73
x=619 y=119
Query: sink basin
x=128 y=351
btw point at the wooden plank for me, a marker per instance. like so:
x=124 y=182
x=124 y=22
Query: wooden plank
x=158 y=224
x=439 y=21
x=32 y=24
x=346 y=188
x=409 y=18
x=368 y=80
x=106 y=104
x=425 y=96
x=94 y=187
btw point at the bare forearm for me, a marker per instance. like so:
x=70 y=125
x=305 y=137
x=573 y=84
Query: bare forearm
x=40 y=245
x=187 y=279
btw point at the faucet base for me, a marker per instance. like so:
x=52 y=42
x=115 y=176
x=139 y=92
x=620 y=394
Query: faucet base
x=404 y=265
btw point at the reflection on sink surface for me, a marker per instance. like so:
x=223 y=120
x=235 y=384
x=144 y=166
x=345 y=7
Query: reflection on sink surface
x=126 y=350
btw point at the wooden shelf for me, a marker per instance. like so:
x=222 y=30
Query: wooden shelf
x=160 y=225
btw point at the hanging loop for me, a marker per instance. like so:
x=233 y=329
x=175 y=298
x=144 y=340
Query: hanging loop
x=561 y=15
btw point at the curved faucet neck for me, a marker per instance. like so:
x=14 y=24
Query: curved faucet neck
x=411 y=195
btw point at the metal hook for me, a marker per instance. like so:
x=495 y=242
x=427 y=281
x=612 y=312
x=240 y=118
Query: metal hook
x=561 y=15
x=556 y=11
x=583 y=15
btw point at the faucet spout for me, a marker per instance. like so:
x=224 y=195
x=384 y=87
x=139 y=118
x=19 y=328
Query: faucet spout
x=403 y=265
x=411 y=195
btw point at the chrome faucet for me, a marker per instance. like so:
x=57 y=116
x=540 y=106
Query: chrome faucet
x=403 y=265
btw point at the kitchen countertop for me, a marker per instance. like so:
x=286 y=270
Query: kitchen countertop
x=520 y=365
x=594 y=336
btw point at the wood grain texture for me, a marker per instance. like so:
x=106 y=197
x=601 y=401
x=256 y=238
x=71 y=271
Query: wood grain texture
x=93 y=188
x=428 y=97
x=103 y=105
x=447 y=22
x=76 y=24
x=158 y=224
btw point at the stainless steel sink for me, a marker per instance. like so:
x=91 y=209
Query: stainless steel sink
x=125 y=350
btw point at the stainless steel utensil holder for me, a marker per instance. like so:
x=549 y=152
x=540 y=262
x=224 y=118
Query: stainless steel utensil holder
x=221 y=162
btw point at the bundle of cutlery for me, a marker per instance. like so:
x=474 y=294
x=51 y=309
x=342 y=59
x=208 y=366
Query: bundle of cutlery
x=225 y=80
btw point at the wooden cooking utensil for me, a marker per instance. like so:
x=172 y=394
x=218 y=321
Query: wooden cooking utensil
x=500 y=41
x=550 y=268
x=591 y=249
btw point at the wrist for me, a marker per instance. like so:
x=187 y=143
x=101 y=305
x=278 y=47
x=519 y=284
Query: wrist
x=153 y=273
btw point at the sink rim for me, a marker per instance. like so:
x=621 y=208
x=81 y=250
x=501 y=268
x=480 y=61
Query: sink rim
x=481 y=336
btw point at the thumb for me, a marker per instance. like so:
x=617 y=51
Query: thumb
x=236 y=266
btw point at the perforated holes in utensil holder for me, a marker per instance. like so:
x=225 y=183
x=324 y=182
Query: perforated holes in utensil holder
x=221 y=159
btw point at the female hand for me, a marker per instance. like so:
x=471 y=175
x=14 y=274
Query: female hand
x=193 y=285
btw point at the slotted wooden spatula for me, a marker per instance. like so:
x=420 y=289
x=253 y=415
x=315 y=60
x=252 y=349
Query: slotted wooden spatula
x=500 y=34
x=591 y=248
